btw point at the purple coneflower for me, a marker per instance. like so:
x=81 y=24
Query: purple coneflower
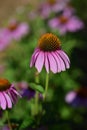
x=66 y=23
x=49 y=54
x=57 y=5
x=17 y=30
x=51 y=6
x=77 y=97
x=8 y=94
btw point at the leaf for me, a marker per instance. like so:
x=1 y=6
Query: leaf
x=27 y=122
x=37 y=87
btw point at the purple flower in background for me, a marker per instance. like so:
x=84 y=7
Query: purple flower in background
x=66 y=23
x=25 y=90
x=51 y=6
x=28 y=93
x=4 y=39
x=44 y=10
x=8 y=94
x=21 y=86
x=68 y=10
x=77 y=98
x=49 y=54
x=5 y=127
x=17 y=30
x=57 y=5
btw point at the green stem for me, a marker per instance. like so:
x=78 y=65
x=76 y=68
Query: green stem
x=36 y=103
x=36 y=95
x=46 y=86
x=9 y=123
x=37 y=77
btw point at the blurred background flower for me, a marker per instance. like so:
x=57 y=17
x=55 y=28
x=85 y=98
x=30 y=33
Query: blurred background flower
x=66 y=23
x=77 y=98
x=16 y=30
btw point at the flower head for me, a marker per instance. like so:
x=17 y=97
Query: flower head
x=52 y=6
x=49 y=54
x=17 y=30
x=8 y=94
x=66 y=23
x=57 y=5
x=77 y=97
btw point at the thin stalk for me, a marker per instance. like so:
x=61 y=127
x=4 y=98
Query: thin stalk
x=9 y=123
x=36 y=95
x=46 y=85
x=36 y=103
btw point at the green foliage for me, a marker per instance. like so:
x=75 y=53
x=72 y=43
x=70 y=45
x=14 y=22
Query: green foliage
x=27 y=122
x=37 y=87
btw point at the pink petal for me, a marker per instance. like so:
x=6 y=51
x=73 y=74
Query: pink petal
x=47 y=62
x=39 y=61
x=13 y=96
x=61 y=62
x=53 y=23
x=9 y=103
x=65 y=55
x=2 y=101
x=64 y=59
x=74 y=24
x=62 y=28
x=14 y=91
x=53 y=63
x=58 y=61
x=36 y=52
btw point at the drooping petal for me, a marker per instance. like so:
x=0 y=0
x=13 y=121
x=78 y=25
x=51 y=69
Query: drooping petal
x=58 y=62
x=8 y=100
x=39 y=61
x=14 y=91
x=13 y=96
x=47 y=64
x=64 y=59
x=2 y=101
x=61 y=62
x=53 y=63
x=36 y=52
x=65 y=56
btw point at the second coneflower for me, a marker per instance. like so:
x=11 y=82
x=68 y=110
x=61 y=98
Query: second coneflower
x=8 y=94
x=49 y=54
